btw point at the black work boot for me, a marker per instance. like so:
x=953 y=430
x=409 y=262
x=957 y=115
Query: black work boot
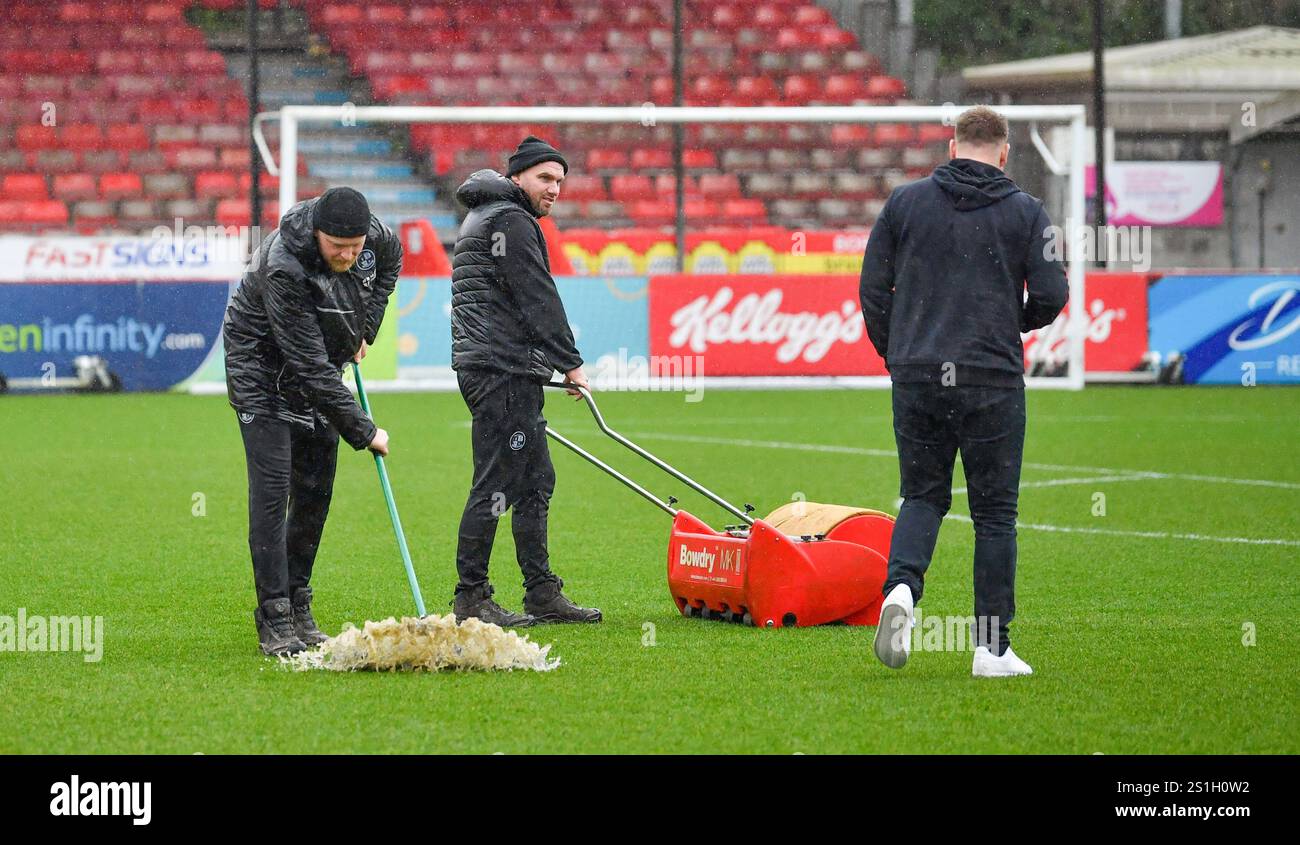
x=275 y=628
x=478 y=603
x=548 y=604
x=304 y=627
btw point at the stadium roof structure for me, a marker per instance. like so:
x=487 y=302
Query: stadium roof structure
x=1202 y=83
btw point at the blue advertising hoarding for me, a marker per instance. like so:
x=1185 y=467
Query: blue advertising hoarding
x=153 y=335
x=608 y=315
x=1239 y=329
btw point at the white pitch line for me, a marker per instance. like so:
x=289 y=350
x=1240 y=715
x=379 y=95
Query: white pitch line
x=1151 y=535
x=889 y=453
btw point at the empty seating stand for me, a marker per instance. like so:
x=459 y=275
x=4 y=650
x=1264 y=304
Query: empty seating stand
x=616 y=52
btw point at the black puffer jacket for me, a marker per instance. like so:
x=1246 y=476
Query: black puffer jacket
x=293 y=324
x=506 y=313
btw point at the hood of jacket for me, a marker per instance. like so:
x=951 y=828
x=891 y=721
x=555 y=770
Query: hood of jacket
x=973 y=184
x=485 y=186
x=299 y=236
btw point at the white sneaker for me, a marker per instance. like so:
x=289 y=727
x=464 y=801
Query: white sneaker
x=894 y=633
x=985 y=665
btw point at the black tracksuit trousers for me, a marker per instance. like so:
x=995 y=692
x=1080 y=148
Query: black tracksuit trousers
x=512 y=470
x=290 y=483
x=987 y=424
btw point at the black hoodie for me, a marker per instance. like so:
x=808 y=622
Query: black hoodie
x=945 y=274
x=506 y=313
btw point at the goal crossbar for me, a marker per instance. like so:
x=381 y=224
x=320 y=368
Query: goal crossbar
x=649 y=114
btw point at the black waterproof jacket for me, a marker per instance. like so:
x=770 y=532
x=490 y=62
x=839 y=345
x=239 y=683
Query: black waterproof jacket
x=506 y=313
x=293 y=324
x=944 y=278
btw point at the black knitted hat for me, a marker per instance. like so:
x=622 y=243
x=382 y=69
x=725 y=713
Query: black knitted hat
x=342 y=213
x=533 y=151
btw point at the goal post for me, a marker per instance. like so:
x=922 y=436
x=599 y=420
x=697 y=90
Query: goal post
x=292 y=117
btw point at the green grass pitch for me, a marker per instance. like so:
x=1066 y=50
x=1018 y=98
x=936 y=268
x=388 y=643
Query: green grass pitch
x=1137 y=627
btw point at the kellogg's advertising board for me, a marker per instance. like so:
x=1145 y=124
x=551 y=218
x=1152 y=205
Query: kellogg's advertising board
x=763 y=325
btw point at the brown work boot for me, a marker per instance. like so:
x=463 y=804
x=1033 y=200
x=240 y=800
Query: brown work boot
x=548 y=604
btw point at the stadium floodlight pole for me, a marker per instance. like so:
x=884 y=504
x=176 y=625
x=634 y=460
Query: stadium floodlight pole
x=1099 y=121
x=388 y=498
x=1074 y=115
x=679 y=141
x=254 y=92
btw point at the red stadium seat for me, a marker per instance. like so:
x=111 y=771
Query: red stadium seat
x=216 y=184
x=741 y=211
x=812 y=16
x=628 y=187
x=720 y=186
x=755 y=90
x=894 y=134
x=708 y=90
x=581 y=187
x=70 y=187
x=651 y=159
x=701 y=209
x=85 y=136
x=796 y=38
x=699 y=159
x=801 y=89
x=652 y=212
x=886 y=88
x=606 y=159
x=834 y=38
x=932 y=133
x=45 y=213
x=11 y=212
x=126 y=137
x=24 y=187
x=32 y=138
x=844 y=88
x=666 y=186
x=114 y=186
x=769 y=16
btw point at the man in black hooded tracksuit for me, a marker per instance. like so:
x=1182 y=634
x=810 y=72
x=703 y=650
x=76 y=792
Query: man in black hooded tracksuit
x=509 y=333
x=943 y=291
x=312 y=300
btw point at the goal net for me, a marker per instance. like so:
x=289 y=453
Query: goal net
x=1054 y=356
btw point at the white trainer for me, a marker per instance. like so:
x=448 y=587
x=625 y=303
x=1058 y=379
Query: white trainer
x=986 y=665
x=894 y=633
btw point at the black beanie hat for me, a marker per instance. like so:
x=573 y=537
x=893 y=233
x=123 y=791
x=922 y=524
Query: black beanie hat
x=342 y=213
x=533 y=151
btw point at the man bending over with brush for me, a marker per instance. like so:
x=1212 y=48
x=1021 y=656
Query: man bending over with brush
x=312 y=300
x=957 y=266
x=509 y=333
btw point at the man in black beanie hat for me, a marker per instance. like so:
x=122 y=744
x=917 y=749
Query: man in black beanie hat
x=311 y=300
x=509 y=333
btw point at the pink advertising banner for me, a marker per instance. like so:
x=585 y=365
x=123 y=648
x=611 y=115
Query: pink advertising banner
x=1162 y=193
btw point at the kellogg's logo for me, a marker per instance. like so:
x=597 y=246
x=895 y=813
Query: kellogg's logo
x=758 y=319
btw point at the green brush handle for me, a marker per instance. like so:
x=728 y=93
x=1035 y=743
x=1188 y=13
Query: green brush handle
x=388 y=497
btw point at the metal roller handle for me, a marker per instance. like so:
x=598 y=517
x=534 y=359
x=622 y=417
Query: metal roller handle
x=663 y=465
